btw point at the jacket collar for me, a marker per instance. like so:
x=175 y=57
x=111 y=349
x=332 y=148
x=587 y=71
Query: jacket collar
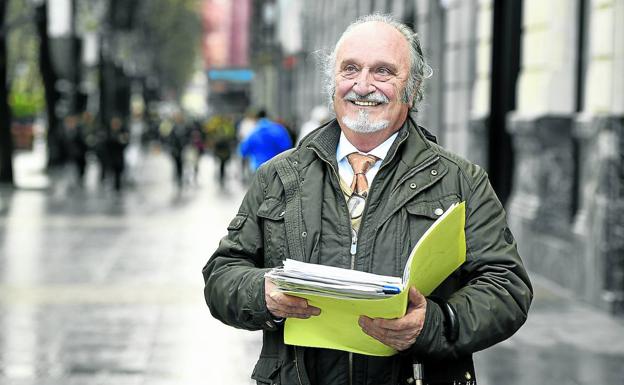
x=411 y=147
x=325 y=141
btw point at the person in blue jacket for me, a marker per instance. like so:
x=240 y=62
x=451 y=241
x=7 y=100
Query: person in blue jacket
x=267 y=140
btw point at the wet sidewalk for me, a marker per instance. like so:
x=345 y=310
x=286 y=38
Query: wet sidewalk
x=100 y=288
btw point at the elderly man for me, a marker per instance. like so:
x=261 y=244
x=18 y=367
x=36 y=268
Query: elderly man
x=358 y=193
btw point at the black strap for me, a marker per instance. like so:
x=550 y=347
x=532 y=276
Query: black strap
x=451 y=324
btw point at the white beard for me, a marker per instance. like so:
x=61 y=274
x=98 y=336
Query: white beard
x=363 y=125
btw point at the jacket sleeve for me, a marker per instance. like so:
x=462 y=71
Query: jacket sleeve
x=234 y=274
x=496 y=293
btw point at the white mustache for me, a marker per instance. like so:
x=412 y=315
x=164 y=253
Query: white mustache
x=376 y=97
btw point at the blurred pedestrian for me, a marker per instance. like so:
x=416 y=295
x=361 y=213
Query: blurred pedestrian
x=193 y=151
x=222 y=136
x=88 y=127
x=244 y=128
x=267 y=140
x=176 y=141
x=134 y=151
x=115 y=147
x=101 y=153
x=318 y=117
x=75 y=147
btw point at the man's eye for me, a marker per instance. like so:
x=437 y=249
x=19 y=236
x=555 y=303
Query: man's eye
x=383 y=71
x=350 y=69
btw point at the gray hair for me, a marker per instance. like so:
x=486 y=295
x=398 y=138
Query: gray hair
x=419 y=69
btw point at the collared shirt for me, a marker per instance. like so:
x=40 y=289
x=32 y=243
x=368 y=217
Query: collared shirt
x=345 y=148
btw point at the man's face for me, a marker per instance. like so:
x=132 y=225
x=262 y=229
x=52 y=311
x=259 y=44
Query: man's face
x=372 y=67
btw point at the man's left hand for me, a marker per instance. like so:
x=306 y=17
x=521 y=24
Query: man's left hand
x=399 y=333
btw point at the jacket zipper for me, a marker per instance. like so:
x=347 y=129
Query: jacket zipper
x=352 y=251
x=354 y=239
x=353 y=248
x=354 y=236
x=297 y=367
x=350 y=368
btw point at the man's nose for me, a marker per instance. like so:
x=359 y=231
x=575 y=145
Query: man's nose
x=364 y=83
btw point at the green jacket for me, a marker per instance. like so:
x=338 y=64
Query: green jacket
x=296 y=209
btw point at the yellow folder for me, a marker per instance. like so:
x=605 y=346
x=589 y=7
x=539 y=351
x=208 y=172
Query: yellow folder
x=440 y=251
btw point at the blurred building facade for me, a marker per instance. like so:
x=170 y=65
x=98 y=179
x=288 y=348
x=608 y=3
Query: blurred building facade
x=225 y=47
x=531 y=90
x=97 y=59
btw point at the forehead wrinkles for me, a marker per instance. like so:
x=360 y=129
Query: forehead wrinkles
x=373 y=42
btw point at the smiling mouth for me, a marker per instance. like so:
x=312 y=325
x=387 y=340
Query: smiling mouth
x=365 y=104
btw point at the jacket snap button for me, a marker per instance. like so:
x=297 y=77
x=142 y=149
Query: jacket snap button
x=412 y=185
x=434 y=172
x=304 y=234
x=295 y=163
x=438 y=211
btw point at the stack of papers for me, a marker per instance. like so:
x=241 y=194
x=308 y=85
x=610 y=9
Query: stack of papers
x=308 y=278
x=344 y=295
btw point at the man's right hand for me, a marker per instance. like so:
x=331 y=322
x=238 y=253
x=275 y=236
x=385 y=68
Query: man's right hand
x=286 y=306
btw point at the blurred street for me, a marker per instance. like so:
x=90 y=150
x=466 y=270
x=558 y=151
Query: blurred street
x=101 y=288
x=97 y=288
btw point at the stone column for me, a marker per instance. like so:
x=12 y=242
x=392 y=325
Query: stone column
x=430 y=25
x=541 y=203
x=459 y=75
x=480 y=111
x=540 y=207
x=599 y=223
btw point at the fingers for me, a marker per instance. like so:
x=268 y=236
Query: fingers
x=397 y=324
x=399 y=333
x=286 y=300
x=398 y=340
x=287 y=306
x=416 y=299
x=389 y=328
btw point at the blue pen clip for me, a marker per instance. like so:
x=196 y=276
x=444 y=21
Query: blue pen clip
x=388 y=289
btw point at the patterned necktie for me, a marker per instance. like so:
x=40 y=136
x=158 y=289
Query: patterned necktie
x=360 y=164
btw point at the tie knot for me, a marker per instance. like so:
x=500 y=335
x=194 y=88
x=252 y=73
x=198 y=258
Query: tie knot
x=361 y=163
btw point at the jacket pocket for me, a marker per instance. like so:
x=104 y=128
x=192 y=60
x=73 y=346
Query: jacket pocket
x=422 y=214
x=267 y=371
x=271 y=213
